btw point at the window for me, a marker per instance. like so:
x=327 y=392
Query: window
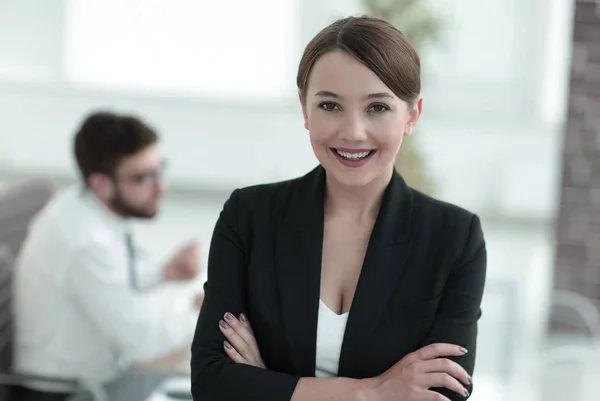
x=234 y=48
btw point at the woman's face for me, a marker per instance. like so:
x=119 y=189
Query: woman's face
x=356 y=123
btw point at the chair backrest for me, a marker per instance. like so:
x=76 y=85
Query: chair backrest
x=6 y=327
x=19 y=204
x=571 y=365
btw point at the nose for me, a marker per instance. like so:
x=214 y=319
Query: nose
x=353 y=128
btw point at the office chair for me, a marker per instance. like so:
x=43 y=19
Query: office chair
x=578 y=360
x=19 y=204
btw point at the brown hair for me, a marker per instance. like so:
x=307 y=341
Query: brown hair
x=105 y=138
x=374 y=42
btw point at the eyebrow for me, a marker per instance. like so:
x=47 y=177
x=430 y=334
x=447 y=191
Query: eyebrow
x=378 y=95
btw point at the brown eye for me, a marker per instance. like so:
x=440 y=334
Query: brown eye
x=328 y=106
x=379 y=108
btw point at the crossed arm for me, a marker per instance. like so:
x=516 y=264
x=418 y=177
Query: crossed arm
x=226 y=360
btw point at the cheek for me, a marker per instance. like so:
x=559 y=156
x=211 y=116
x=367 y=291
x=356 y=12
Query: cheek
x=387 y=133
x=147 y=195
x=128 y=195
x=322 y=127
x=135 y=196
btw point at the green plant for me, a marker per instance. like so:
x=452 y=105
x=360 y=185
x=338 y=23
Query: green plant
x=422 y=27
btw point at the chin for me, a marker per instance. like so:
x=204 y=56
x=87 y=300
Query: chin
x=352 y=179
x=360 y=177
x=152 y=213
x=146 y=213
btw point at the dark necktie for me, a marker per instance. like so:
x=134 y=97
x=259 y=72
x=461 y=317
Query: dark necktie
x=131 y=261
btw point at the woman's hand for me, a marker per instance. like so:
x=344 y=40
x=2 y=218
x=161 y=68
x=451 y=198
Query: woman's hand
x=241 y=344
x=411 y=377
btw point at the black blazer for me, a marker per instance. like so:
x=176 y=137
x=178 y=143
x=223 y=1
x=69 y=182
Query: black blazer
x=422 y=282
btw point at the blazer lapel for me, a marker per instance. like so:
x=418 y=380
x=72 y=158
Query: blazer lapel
x=299 y=243
x=387 y=253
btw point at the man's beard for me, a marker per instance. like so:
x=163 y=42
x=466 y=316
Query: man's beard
x=124 y=209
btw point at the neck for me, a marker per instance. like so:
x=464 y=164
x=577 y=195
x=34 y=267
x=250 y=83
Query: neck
x=356 y=203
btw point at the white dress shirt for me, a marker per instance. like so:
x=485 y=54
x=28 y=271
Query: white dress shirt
x=330 y=336
x=77 y=315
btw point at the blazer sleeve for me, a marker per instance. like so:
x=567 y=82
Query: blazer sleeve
x=214 y=376
x=459 y=308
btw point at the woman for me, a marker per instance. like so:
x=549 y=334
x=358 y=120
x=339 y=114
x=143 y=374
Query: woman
x=344 y=284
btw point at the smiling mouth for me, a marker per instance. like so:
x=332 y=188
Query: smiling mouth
x=353 y=156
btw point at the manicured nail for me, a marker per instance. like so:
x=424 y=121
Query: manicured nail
x=470 y=379
x=227 y=345
x=223 y=324
x=466 y=393
x=243 y=318
x=463 y=350
x=228 y=316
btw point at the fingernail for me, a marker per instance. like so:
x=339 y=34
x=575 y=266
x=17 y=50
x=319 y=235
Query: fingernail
x=223 y=324
x=470 y=379
x=243 y=318
x=466 y=393
x=227 y=345
x=228 y=316
x=463 y=350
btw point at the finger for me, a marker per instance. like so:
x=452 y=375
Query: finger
x=245 y=321
x=433 y=396
x=199 y=300
x=192 y=247
x=190 y=256
x=242 y=329
x=187 y=250
x=232 y=353
x=234 y=339
x=439 y=349
x=190 y=270
x=443 y=380
x=444 y=365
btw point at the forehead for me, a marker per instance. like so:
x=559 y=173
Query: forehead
x=339 y=72
x=148 y=158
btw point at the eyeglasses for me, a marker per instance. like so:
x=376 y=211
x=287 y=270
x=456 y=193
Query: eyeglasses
x=144 y=178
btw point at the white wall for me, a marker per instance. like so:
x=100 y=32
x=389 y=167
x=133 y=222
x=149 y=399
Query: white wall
x=486 y=129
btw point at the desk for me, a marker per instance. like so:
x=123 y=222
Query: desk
x=173 y=389
x=138 y=385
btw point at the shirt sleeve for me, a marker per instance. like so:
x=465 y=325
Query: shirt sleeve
x=143 y=326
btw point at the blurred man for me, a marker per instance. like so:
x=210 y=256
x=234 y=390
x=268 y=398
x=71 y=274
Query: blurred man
x=83 y=304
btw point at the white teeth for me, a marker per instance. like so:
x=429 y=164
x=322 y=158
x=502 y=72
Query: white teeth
x=353 y=156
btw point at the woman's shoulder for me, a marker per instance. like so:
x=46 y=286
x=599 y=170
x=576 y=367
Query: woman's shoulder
x=440 y=213
x=453 y=229
x=274 y=196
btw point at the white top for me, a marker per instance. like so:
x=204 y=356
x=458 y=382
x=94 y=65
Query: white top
x=77 y=315
x=330 y=335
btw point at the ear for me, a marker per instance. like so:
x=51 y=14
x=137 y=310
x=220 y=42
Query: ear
x=102 y=186
x=413 y=116
x=303 y=104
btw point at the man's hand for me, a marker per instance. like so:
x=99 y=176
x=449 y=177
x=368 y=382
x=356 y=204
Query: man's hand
x=184 y=265
x=198 y=299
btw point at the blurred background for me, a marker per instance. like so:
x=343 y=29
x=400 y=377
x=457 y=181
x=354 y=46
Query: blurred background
x=510 y=130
